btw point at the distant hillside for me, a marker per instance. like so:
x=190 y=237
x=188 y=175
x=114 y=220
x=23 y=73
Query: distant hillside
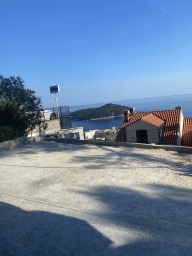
x=105 y=111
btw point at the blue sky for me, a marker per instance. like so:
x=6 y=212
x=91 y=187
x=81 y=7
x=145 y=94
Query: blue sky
x=98 y=51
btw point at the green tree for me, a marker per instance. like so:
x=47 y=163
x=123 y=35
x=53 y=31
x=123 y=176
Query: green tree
x=15 y=102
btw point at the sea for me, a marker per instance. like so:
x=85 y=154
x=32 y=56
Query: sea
x=141 y=105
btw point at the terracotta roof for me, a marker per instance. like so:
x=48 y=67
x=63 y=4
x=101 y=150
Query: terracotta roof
x=171 y=117
x=187 y=132
x=113 y=139
x=153 y=120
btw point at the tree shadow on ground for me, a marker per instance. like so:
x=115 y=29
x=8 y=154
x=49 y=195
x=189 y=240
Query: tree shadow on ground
x=160 y=225
x=162 y=218
x=45 y=233
x=38 y=147
x=124 y=156
x=108 y=156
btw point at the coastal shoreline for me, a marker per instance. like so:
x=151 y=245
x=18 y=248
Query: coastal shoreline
x=95 y=119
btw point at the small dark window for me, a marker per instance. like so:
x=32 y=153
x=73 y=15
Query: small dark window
x=142 y=136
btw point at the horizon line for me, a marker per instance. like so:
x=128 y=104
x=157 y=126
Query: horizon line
x=129 y=100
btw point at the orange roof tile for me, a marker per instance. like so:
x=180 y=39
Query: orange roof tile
x=171 y=117
x=153 y=119
x=187 y=132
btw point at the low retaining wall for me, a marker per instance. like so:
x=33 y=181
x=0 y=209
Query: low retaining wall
x=19 y=142
x=176 y=148
x=7 y=145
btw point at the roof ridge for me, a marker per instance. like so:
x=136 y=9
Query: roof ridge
x=155 y=111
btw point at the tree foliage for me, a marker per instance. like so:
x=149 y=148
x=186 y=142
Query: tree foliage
x=107 y=110
x=15 y=101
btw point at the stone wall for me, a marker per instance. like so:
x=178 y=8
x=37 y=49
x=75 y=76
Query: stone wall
x=179 y=149
x=152 y=131
x=19 y=142
x=53 y=126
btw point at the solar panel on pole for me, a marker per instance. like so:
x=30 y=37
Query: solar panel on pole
x=55 y=89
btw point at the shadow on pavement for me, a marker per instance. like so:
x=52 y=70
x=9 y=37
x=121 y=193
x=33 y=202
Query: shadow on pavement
x=130 y=155
x=44 y=233
x=107 y=156
x=48 y=234
x=163 y=217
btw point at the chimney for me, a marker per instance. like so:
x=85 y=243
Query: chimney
x=179 y=108
x=132 y=110
x=126 y=114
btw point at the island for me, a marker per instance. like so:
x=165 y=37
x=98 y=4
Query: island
x=104 y=112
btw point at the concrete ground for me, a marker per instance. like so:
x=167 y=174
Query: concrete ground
x=64 y=199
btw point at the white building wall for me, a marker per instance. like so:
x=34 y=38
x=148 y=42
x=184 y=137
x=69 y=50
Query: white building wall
x=69 y=133
x=179 y=137
x=89 y=135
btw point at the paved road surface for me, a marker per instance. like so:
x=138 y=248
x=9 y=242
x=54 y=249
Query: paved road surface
x=62 y=199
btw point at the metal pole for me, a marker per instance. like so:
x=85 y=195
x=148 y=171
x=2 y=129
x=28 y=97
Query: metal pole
x=60 y=112
x=56 y=105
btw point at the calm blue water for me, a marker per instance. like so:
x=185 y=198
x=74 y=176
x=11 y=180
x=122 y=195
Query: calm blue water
x=98 y=124
x=150 y=104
